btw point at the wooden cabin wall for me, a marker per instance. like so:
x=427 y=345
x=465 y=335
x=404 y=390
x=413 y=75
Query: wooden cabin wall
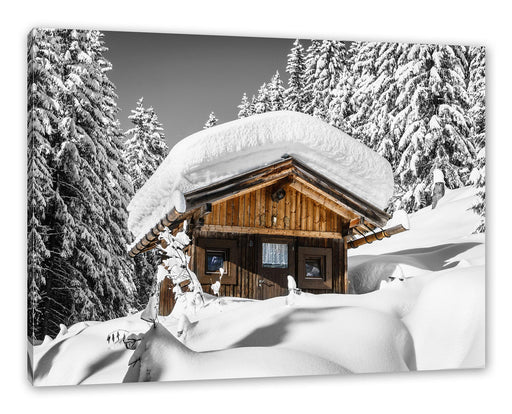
x=294 y=212
x=247 y=268
x=254 y=210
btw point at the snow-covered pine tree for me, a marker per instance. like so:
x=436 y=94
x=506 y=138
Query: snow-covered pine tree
x=43 y=87
x=431 y=125
x=341 y=105
x=245 y=108
x=296 y=68
x=476 y=89
x=262 y=103
x=385 y=92
x=309 y=75
x=328 y=61
x=88 y=276
x=275 y=93
x=212 y=121
x=364 y=72
x=145 y=149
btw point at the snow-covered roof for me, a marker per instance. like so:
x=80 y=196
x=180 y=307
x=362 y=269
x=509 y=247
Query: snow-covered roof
x=211 y=155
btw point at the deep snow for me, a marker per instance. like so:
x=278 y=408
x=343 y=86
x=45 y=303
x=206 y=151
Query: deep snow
x=433 y=319
x=235 y=147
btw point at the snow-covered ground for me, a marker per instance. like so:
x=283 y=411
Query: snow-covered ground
x=432 y=319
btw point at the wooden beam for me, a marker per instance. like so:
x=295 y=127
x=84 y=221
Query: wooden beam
x=170 y=220
x=328 y=202
x=371 y=237
x=273 y=231
x=355 y=222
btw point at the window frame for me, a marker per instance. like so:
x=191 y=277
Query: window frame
x=325 y=255
x=230 y=249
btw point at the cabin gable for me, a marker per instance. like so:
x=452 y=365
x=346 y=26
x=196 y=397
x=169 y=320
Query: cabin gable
x=262 y=212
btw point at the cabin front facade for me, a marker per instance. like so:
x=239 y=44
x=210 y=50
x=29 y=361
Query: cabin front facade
x=260 y=226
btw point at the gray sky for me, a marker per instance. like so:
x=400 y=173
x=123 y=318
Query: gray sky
x=185 y=77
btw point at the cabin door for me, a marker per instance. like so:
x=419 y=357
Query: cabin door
x=276 y=260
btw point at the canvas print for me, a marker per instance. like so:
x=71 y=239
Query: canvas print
x=209 y=207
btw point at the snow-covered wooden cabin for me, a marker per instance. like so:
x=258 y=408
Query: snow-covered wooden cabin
x=265 y=197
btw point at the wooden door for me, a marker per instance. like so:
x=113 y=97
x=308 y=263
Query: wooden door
x=276 y=260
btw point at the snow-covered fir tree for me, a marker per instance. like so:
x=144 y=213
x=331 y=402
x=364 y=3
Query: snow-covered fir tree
x=212 y=121
x=383 y=109
x=324 y=65
x=362 y=100
x=432 y=124
x=262 y=101
x=87 y=275
x=296 y=67
x=476 y=88
x=245 y=108
x=339 y=105
x=309 y=75
x=275 y=93
x=145 y=149
x=44 y=87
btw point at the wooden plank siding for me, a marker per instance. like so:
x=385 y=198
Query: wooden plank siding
x=257 y=210
x=254 y=216
x=247 y=266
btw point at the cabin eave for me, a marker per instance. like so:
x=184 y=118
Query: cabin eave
x=288 y=172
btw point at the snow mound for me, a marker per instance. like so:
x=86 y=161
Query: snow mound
x=437 y=240
x=162 y=357
x=457 y=341
x=239 y=146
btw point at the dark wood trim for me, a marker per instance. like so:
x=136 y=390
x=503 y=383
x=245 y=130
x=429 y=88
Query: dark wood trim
x=229 y=246
x=325 y=254
x=272 y=231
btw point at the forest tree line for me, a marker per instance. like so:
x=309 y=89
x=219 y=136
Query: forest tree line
x=420 y=106
x=82 y=173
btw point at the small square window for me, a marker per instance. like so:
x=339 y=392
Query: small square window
x=315 y=268
x=275 y=255
x=215 y=260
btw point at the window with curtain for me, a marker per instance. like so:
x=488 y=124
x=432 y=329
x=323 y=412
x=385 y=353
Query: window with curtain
x=275 y=255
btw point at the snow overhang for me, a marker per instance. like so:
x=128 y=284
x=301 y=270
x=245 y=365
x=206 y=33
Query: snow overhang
x=297 y=174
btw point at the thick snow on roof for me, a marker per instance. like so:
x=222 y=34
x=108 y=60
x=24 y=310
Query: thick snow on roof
x=239 y=146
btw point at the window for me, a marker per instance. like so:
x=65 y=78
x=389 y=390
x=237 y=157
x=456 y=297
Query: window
x=275 y=255
x=315 y=268
x=214 y=254
x=215 y=260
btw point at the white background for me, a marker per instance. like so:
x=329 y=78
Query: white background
x=468 y=22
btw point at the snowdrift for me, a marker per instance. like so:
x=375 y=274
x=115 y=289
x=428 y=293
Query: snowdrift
x=431 y=317
x=239 y=146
